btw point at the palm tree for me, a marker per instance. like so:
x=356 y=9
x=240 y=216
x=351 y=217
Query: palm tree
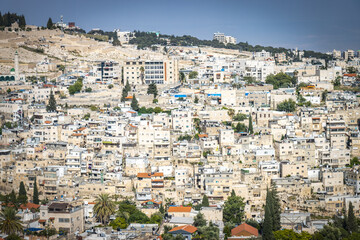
x=9 y=222
x=104 y=207
x=142 y=70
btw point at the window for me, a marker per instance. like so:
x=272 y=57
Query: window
x=64 y=220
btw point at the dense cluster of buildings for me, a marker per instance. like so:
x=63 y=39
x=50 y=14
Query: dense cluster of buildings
x=95 y=143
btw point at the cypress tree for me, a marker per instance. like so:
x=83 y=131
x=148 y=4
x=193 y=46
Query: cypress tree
x=22 y=198
x=127 y=86
x=7 y=20
x=12 y=198
x=22 y=22
x=1 y=20
x=351 y=219
x=49 y=24
x=22 y=190
x=161 y=209
x=124 y=95
x=36 y=193
x=267 y=233
x=51 y=107
x=134 y=103
x=276 y=209
x=205 y=201
x=251 y=129
x=269 y=220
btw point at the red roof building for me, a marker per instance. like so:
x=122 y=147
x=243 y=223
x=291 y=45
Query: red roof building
x=244 y=231
x=186 y=228
x=179 y=209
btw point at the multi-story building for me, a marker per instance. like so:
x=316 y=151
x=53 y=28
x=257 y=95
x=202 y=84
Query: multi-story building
x=104 y=72
x=146 y=72
x=64 y=217
x=224 y=39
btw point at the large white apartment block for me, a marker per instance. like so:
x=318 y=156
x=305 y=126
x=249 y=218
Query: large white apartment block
x=146 y=72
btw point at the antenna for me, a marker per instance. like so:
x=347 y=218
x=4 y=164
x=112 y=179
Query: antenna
x=62 y=24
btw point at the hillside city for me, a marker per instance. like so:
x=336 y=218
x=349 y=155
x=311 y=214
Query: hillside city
x=142 y=135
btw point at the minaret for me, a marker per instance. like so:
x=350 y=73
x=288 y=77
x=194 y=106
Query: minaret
x=16 y=66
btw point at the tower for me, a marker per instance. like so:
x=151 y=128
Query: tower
x=16 y=66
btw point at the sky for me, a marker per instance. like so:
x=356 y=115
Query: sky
x=320 y=25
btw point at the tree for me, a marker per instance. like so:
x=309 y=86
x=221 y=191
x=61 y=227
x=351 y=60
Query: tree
x=51 y=107
x=182 y=77
x=116 y=42
x=239 y=117
x=253 y=223
x=22 y=193
x=287 y=106
x=249 y=80
x=351 y=70
x=1 y=20
x=138 y=217
x=161 y=209
x=210 y=232
x=50 y=24
x=158 y=110
x=22 y=22
x=155 y=101
x=7 y=20
x=227 y=229
x=119 y=222
x=327 y=232
x=276 y=209
x=76 y=87
x=352 y=224
x=240 y=127
x=152 y=89
x=35 y=193
x=134 y=103
x=205 y=201
x=288 y=234
x=268 y=228
x=193 y=75
x=110 y=86
x=9 y=222
x=251 y=129
x=86 y=116
x=124 y=95
x=231 y=112
x=13 y=199
x=234 y=209
x=199 y=220
x=142 y=71
x=354 y=161
x=324 y=96
x=89 y=89
x=127 y=86
x=280 y=80
x=196 y=100
x=9 y=90
x=13 y=237
x=48 y=232
x=337 y=82
x=156 y=218
x=103 y=208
